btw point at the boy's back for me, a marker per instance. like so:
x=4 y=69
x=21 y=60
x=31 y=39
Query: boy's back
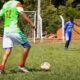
x=10 y=12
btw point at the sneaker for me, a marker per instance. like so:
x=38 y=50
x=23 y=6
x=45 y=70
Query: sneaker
x=23 y=69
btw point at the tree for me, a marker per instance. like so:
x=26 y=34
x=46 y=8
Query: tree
x=51 y=10
x=1 y=3
x=57 y=3
x=75 y=3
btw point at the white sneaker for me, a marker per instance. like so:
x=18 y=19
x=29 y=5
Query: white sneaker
x=23 y=69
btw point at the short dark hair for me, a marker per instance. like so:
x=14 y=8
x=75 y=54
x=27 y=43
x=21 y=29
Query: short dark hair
x=71 y=18
x=6 y=0
x=17 y=0
x=20 y=1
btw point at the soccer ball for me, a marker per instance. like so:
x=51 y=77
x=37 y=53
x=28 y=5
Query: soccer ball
x=45 y=66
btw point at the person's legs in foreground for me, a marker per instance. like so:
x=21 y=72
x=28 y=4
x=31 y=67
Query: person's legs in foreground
x=4 y=60
x=9 y=42
x=26 y=47
x=22 y=61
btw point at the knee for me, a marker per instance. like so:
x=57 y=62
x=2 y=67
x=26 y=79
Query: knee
x=26 y=45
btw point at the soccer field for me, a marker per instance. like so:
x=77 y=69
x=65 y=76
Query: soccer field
x=65 y=64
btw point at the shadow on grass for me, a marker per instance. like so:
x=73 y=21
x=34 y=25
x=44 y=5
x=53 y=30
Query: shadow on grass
x=73 y=49
x=37 y=70
x=30 y=69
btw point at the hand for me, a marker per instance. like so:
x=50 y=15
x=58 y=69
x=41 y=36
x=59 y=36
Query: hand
x=33 y=27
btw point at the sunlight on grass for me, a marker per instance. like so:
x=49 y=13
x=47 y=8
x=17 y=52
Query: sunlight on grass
x=65 y=64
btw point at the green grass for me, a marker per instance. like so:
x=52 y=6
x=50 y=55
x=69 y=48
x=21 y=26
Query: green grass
x=65 y=64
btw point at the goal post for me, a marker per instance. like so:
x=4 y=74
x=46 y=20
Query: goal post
x=39 y=27
x=62 y=21
x=31 y=33
x=39 y=21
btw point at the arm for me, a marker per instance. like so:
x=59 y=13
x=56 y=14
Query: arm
x=25 y=16
x=0 y=18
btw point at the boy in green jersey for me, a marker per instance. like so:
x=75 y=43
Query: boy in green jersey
x=12 y=33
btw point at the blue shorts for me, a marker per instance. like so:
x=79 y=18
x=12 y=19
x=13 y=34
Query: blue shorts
x=26 y=44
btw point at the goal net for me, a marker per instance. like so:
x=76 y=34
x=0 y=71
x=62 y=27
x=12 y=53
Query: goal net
x=26 y=27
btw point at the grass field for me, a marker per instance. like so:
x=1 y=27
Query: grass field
x=65 y=64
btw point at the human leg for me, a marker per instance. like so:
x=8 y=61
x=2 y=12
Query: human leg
x=5 y=57
x=20 y=38
x=7 y=45
x=26 y=49
x=68 y=39
x=67 y=44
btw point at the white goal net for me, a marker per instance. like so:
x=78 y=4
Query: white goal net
x=25 y=27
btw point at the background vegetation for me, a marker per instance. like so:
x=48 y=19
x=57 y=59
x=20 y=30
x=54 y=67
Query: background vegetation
x=51 y=10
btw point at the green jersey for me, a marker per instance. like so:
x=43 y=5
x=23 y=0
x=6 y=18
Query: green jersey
x=10 y=12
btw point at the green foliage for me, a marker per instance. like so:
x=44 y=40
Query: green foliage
x=30 y=5
x=68 y=3
x=50 y=14
x=61 y=10
x=49 y=22
x=71 y=11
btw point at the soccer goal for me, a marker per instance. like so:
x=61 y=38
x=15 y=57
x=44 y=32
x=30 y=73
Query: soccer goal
x=62 y=21
x=26 y=28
